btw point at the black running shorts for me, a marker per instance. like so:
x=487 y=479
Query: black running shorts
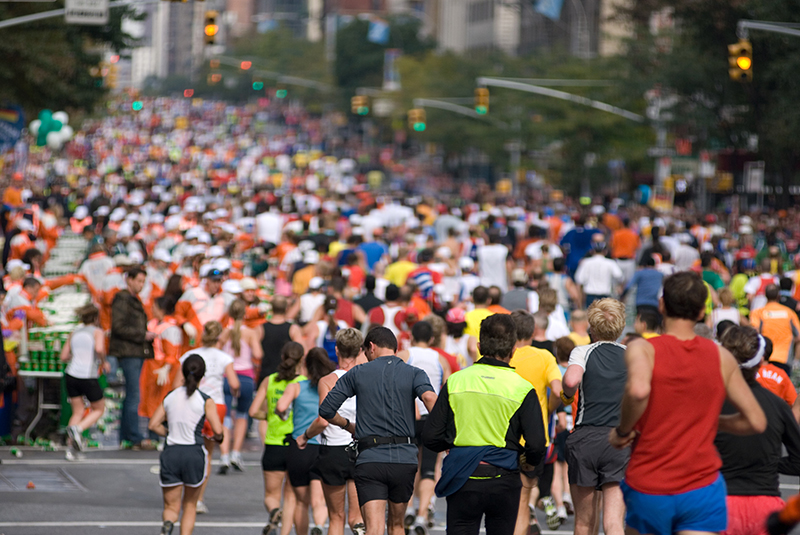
x=592 y=460
x=90 y=388
x=385 y=481
x=334 y=465
x=301 y=464
x=274 y=458
x=183 y=465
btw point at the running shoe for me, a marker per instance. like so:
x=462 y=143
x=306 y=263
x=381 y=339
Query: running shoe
x=532 y=515
x=237 y=463
x=551 y=511
x=418 y=529
x=315 y=530
x=74 y=433
x=562 y=513
x=568 y=503
x=359 y=529
x=202 y=508
x=535 y=529
x=70 y=456
x=408 y=521
x=166 y=528
x=431 y=516
x=223 y=468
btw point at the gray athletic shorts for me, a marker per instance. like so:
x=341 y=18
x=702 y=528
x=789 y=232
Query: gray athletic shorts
x=592 y=460
x=183 y=465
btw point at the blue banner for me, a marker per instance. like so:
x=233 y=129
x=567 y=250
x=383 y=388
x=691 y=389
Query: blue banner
x=12 y=122
x=378 y=32
x=549 y=8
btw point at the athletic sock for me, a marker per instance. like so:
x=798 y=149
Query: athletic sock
x=225 y=458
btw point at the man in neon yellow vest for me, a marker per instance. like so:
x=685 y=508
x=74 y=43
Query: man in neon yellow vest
x=481 y=415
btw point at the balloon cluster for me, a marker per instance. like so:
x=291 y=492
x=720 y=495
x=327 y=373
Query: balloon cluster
x=51 y=129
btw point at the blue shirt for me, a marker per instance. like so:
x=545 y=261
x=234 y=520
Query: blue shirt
x=305 y=410
x=576 y=243
x=373 y=251
x=385 y=390
x=648 y=286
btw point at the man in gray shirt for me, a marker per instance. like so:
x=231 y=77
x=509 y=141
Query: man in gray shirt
x=385 y=389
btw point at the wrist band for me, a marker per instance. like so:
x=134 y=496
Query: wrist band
x=305 y=435
x=347 y=424
x=566 y=400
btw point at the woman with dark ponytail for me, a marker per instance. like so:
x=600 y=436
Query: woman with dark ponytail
x=184 y=460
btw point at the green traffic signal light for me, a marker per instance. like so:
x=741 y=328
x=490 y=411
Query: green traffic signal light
x=363 y=110
x=280 y=93
x=419 y=127
x=137 y=105
x=258 y=86
x=481 y=110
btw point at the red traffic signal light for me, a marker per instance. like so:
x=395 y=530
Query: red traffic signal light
x=246 y=65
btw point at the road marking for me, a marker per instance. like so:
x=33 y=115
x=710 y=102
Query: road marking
x=97 y=524
x=87 y=460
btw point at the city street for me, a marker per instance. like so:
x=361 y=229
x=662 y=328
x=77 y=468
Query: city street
x=116 y=492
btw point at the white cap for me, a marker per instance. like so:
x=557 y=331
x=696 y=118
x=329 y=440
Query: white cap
x=194 y=250
x=221 y=213
x=193 y=233
x=156 y=219
x=125 y=230
x=102 y=211
x=315 y=283
x=173 y=222
x=122 y=260
x=222 y=264
x=305 y=245
x=215 y=251
x=232 y=286
x=466 y=263
x=162 y=255
x=248 y=283
x=204 y=269
x=204 y=237
x=174 y=209
x=136 y=257
x=311 y=257
x=80 y=212
x=117 y=215
x=15 y=263
x=745 y=229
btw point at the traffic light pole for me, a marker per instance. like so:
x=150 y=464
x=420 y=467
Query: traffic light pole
x=281 y=78
x=545 y=91
x=455 y=108
x=16 y=21
x=786 y=28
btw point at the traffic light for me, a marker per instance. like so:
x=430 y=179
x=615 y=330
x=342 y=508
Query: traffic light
x=211 y=28
x=482 y=101
x=740 y=61
x=111 y=78
x=214 y=78
x=359 y=105
x=281 y=93
x=245 y=65
x=258 y=85
x=416 y=119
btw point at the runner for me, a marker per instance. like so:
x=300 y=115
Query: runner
x=185 y=461
x=85 y=352
x=336 y=462
x=218 y=365
x=671 y=489
x=597 y=373
x=273 y=460
x=750 y=465
x=244 y=345
x=387 y=462
x=483 y=413
x=302 y=398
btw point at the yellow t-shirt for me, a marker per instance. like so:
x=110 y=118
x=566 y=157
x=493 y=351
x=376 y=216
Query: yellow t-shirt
x=474 y=318
x=580 y=340
x=539 y=368
x=398 y=272
x=335 y=248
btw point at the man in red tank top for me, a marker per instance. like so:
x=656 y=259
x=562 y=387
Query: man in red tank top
x=670 y=416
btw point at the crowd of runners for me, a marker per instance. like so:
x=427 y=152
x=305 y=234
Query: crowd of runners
x=400 y=339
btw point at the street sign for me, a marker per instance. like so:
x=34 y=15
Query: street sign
x=86 y=12
x=12 y=122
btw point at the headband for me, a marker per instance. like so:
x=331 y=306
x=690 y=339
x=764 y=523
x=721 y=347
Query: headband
x=756 y=360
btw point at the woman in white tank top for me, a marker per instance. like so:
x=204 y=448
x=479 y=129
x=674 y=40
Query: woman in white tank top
x=336 y=466
x=85 y=352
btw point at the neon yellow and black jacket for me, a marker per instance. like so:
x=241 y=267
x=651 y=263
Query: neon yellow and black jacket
x=481 y=415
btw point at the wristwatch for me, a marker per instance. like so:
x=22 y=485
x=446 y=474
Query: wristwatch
x=347 y=424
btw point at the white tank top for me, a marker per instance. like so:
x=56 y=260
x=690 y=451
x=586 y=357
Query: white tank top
x=336 y=436
x=427 y=360
x=83 y=364
x=186 y=416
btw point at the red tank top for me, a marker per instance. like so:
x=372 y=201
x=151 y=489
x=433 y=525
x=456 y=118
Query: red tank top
x=344 y=312
x=675 y=452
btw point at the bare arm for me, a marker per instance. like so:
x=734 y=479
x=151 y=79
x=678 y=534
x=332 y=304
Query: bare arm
x=289 y=395
x=258 y=408
x=295 y=333
x=554 y=401
x=429 y=399
x=359 y=315
x=233 y=379
x=65 y=352
x=156 y=424
x=213 y=419
x=750 y=419
x=446 y=371
x=639 y=358
x=255 y=345
x=572 y=379
x=472 y=348
x=319 y=424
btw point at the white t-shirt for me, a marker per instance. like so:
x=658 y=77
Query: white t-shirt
x=492 y=259
x=597 y=274
x=216 y=360
x=534 y=250
x=83 y=361
x=186 y=415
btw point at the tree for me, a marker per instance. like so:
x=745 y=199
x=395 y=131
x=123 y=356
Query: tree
x=46 y=64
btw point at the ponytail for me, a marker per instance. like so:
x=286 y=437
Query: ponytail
x=194 y=368
x=237 y=311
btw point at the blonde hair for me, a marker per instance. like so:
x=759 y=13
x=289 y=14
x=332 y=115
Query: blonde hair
x=236 y=311
x=726 y=297
x=349 y=342
x=548 y=299
x=438 y=326
x=578 y=315
x=211 y=332
x=606 y=319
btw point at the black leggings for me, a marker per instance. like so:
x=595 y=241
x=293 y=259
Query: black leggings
x=467 y=506
x=546 y=479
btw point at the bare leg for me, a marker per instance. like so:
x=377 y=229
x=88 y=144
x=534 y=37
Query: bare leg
x=289 y=505
x=523 y=516
x=557 y=488
x=210 y=448
x=353 y=510
x=613 y=510
x=397 y=512
x=585 y=511
x=374 y=512
x=96 y=410
x=273 y=482
x=239 y=433
x=190 y=496
x=335 y=498
x=172 y=503
x=78 y=407
x=303 y=496
x=319 y=511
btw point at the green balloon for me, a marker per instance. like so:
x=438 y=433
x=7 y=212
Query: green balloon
x=41 y=137
x=54 y=125
x=45 y=115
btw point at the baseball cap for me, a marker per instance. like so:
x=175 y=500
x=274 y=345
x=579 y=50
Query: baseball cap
x=232 y=286
x=519 y=275
x=315 y=283
x=213 y=273
x=162 y=255
x=248 y=283
x=455 y=315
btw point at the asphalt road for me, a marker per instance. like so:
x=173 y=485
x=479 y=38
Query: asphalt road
x=116 y=492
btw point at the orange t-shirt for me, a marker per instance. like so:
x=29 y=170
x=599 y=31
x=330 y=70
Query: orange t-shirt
x=776 y=381
x=12 y=196
x=624 y=243
x=780 y=324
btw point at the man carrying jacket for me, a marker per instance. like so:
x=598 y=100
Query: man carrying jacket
x=480 y=416
x=131 y=343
